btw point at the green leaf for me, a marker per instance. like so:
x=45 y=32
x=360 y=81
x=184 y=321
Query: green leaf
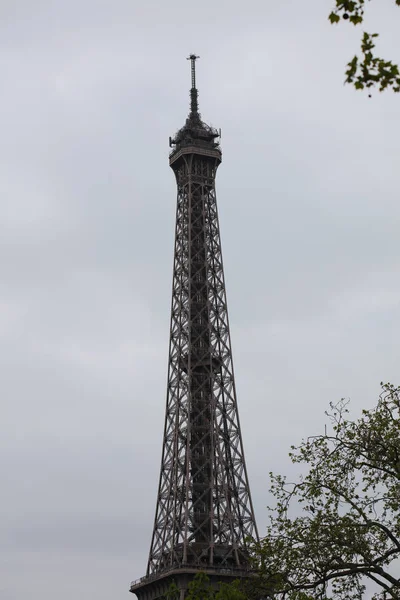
x=334 y=18
x=356 y=19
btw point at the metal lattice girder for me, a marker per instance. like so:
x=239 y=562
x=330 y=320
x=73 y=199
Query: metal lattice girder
x=204 y=514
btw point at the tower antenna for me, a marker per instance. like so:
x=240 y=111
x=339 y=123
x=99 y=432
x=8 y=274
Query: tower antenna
x=194 y=105
x=193 y=59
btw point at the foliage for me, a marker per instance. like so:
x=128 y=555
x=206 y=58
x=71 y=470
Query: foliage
x=200 y=588
x=369 y=70
x=230 y=591
x=349 y=502
x=172 y=592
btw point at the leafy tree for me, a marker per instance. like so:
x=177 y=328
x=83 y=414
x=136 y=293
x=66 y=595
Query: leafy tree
x=348 y=531
x=200 y=588
x=369 y=70
x=172 y=593
x=231 y=591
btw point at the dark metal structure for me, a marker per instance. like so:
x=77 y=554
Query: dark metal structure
x=204 y=516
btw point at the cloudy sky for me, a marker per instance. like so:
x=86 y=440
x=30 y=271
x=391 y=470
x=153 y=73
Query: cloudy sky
x=308 y=195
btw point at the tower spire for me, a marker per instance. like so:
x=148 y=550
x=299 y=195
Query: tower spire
x=195 y=131
x=194 y=104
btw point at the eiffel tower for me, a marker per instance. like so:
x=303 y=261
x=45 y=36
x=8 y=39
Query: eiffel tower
x=204 y=516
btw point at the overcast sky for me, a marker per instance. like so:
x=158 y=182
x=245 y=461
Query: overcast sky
x=308 y=195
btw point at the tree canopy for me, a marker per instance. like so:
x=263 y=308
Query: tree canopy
x=369 y=70
x=337 y=529
x=200 y=588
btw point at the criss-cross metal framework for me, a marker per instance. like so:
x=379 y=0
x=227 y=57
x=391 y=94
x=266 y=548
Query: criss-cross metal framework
x=204 y=515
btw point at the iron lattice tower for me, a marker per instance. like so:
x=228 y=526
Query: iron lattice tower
x=204 y=516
